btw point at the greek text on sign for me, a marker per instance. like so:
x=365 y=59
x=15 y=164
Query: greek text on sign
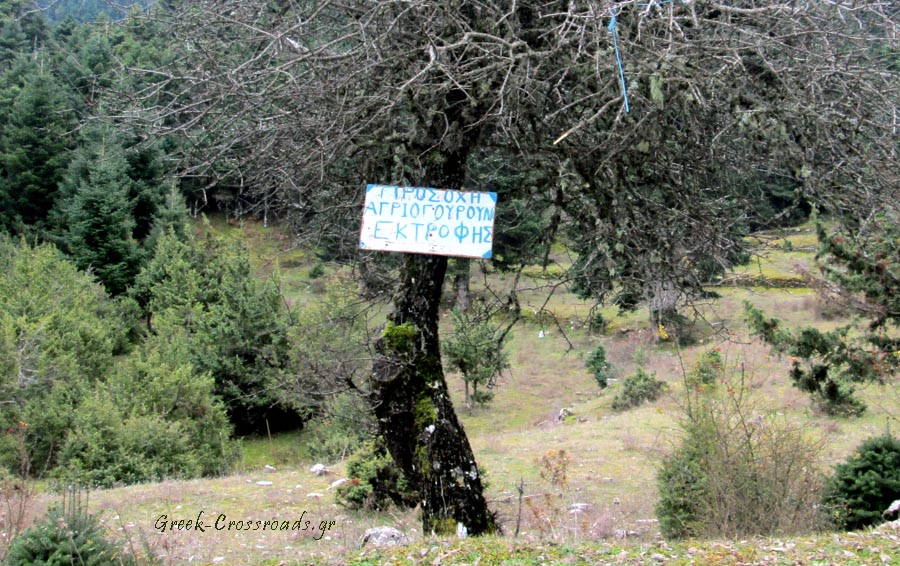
x=428 y=221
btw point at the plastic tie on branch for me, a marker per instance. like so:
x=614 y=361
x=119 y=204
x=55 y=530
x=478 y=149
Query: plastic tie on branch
x=614 y=32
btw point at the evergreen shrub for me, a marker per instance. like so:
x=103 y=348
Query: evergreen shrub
x=637 y=389
x=866 y=484
x=375 y=481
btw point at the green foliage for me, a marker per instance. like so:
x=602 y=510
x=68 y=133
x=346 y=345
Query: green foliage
x=99 y=218
x=774 y=201
x=317 y=270
x=830 y=362
x=34 y=147
x=865 y=485
x=681 y=482
x=50 y=81
x=88 y=10
x=154 y=418
x=707 y=370
x=475 y=349
x=524 y=229
x=172 y=216
x=59 y=333
x=598 y=366
x=637 y=389
x=737 y=473
x=328 y=353
x=68 y=535
x=233 y=325
x=105 y=447
x=375 y=481
x=826 y=364
x=22 y=28
x=346 y=422
x=79 y=405
x=597 y=322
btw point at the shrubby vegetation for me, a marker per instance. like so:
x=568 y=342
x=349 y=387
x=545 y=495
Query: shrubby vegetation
x=340 y=427
x=637 y=389
x=375 y=482
x=707 y=370
x=60 y=334
x=861 y=264
x=131 y=348
x=738 y=472
x=327 y=367
x=598 y=366
x=81 y=410
x=233 y=325
x=88 y=10
x=67 y=535
x=157 y=417
x=475 y=349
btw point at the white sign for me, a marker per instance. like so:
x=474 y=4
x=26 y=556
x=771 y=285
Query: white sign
x=428 y=221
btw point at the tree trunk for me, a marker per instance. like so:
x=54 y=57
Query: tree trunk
x=415 y=415
x=662 y=298
x=461 y=283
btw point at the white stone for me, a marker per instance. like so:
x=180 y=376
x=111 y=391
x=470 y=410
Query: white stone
x=263 y=482
x=338 y=483
x=579 y=507
x=893 y=511
x=319 y=470
x=268 y=468
x=383 y=536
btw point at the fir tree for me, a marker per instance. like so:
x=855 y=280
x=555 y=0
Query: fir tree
x=100 y=222
x=171 y=217
x=205 y=288
x=34 y=151
x=22 y=29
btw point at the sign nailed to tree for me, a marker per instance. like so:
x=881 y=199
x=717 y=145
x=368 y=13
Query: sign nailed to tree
x=428 y=221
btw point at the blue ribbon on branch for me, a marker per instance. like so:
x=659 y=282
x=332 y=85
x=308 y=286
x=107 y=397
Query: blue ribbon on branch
x=614 y=32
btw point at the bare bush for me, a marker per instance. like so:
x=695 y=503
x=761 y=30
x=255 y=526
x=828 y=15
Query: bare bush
x=739 y=471
x=16 y=500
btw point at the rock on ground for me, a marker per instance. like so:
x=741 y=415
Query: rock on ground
x=383 y=536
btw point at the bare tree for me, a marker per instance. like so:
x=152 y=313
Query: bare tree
x=652 y=108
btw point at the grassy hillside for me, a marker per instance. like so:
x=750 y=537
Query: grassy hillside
x=611 y=456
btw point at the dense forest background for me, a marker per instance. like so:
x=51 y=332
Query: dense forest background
x=89 y=10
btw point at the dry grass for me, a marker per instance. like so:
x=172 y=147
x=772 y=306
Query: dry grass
x=132 y=514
